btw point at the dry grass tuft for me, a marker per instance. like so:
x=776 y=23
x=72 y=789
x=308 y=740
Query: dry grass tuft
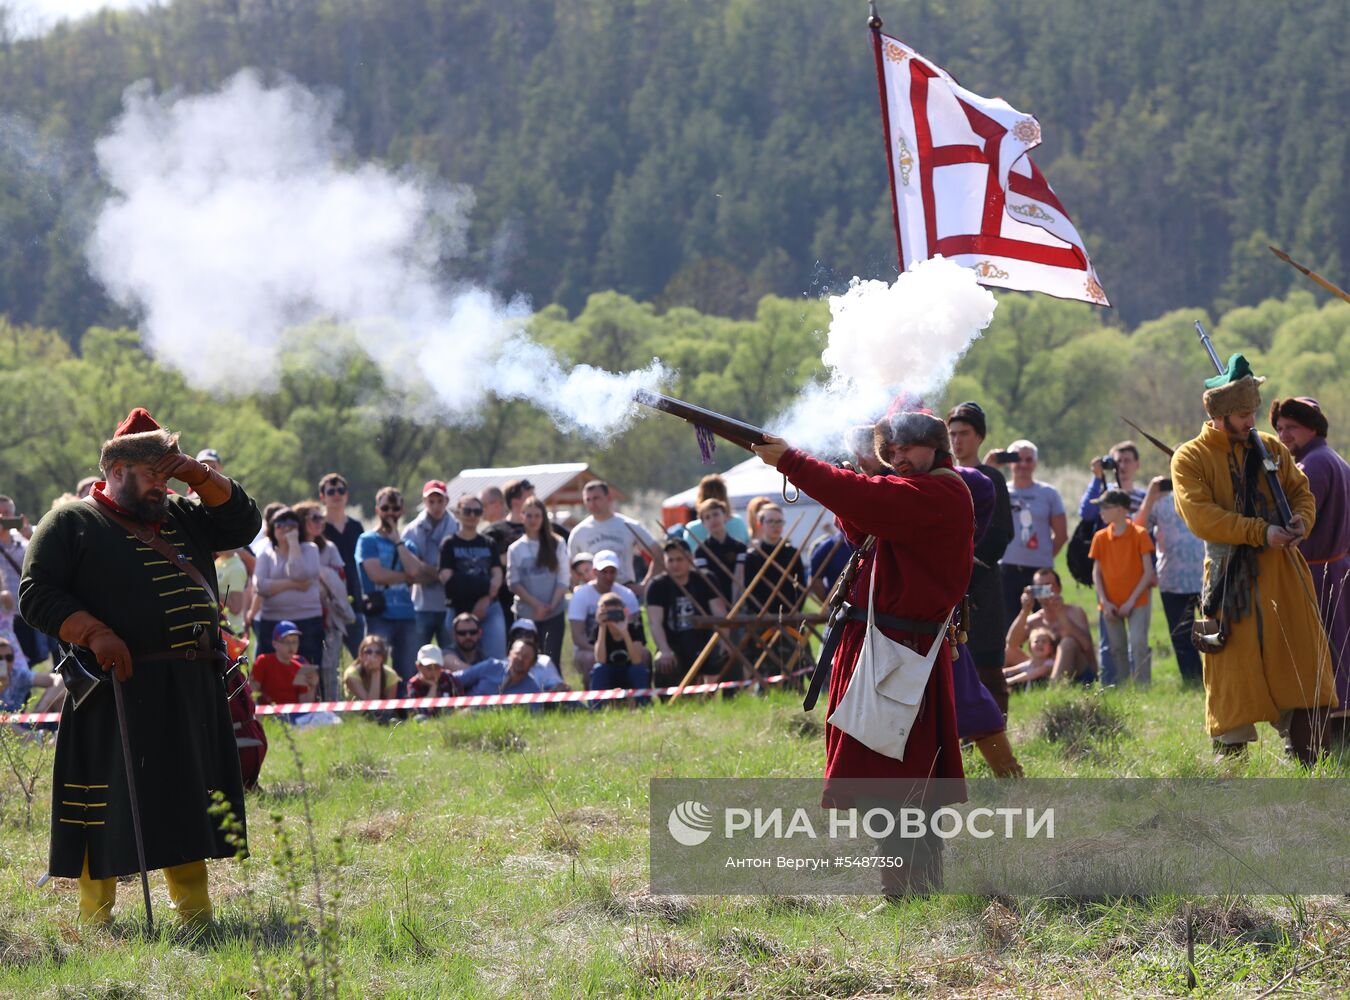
x=382 y=826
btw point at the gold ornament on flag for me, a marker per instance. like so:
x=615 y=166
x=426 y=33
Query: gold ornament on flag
x=1028 y=130
x=1094 y=290
x=895 y=53
x=987 y=269
x=904 y=161
x=1031 y=211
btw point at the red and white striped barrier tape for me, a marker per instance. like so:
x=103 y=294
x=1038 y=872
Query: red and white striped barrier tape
x=459 y=701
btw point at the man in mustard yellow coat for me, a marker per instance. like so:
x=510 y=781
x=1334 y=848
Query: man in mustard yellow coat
x=1274 y=664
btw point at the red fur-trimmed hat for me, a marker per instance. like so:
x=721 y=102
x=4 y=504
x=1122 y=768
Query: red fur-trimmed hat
x=139 y=440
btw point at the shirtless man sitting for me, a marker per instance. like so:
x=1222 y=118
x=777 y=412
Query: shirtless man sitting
x=1075 y=655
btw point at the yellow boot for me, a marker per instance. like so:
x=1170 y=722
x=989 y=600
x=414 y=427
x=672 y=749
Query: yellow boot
x=97 y=896
x=188 y=894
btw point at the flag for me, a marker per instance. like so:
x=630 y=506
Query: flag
x=963 y=185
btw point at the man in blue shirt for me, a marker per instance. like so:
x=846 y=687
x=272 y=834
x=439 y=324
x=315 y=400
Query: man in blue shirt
x=508 y=676
x=388 y=565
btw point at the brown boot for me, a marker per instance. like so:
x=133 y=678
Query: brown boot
x=919 y=874
x=998 y=754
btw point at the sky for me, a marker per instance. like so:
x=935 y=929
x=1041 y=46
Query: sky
x=33 y=17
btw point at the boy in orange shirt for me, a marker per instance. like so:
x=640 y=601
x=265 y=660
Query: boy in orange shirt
x=1122 y=571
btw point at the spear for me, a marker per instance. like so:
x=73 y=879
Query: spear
x=1333 y=289
x=1165 y=449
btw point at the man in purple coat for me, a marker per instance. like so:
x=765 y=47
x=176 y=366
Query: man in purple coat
x=1302 y=427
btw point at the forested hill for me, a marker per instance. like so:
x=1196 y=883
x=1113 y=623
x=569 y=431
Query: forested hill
x=708 y=151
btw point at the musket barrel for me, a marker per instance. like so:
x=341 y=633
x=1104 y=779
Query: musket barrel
x=1209 y=347
x=738 y=432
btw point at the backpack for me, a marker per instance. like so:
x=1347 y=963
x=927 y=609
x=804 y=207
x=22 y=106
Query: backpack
x=1080 y=544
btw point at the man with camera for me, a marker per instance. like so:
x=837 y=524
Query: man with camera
x=127 y=577
x=1040 y=524
x=1121 y=463
x=583 y=609
x=1181 y=570
x=1042 y=607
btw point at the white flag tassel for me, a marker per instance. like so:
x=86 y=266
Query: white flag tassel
x=965 y=187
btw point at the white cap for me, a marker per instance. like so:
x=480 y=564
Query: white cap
x=606 y=559
x=431 y=654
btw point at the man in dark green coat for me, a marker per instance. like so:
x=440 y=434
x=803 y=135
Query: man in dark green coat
x=93 y=577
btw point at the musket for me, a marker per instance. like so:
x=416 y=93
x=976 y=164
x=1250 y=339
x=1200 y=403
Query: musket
x=834 y=624
x=1333 y=289
x=738 y=432
x=708 y=422
x=1282 y=508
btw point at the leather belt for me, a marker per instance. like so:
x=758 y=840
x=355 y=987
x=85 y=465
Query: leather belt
x=890 y=621
x=191 y=653
x=832 y=637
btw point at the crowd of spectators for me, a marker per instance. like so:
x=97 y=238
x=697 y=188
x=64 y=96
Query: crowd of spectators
x=485 y=594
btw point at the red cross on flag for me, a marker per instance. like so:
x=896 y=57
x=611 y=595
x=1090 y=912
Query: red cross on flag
x=963 y=186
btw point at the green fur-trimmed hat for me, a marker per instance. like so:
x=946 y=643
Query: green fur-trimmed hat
x=1233 y=390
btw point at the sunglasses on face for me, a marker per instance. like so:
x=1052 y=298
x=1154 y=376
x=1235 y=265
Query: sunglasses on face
x=770 y=523
x=466 y=633
x=471 y=511
x=316 y=516
x=286 y=523
x=6 y=657
x=335 y=491
x=373 y=651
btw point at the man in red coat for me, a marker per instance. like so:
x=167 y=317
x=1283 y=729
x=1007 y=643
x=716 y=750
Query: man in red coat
x=923 y=521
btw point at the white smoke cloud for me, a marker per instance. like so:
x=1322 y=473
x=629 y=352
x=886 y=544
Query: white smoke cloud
x=903 y=339
x=235 y=218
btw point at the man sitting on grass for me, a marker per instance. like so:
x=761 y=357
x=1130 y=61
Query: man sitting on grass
x=508 y=676
x=621 y=660
x=1122 y=572
x=545 y=672
x=1075 y=656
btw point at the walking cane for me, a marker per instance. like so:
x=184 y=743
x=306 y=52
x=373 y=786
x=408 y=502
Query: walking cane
x=135 y=802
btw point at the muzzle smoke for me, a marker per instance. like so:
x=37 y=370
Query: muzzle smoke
x=237 y=216
x=884 y=341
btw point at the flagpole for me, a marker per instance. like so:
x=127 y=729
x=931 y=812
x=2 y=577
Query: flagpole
x=874 y=23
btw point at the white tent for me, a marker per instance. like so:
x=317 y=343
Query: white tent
x=750 y=479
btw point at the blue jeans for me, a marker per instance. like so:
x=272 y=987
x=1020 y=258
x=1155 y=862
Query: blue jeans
x=493 y=643
x=400 y=634
x=1108 y=665
x=605 y=676
x=356 y=631
x=434 y=626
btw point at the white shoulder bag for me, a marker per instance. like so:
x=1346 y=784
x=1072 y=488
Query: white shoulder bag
x=883 y=695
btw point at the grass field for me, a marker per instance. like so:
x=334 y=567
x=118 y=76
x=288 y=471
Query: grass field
x=504 y=854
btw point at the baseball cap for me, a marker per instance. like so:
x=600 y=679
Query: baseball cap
x=524 y=625
x=208 y=455
x=582 y=557
x=1113 y=498
x=283 y=629
x=435 y=486
x=431 y=654
x=606 y=559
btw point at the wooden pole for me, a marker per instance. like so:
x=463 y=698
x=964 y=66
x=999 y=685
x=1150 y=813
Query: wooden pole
x=707 y=650
x=782 y=578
